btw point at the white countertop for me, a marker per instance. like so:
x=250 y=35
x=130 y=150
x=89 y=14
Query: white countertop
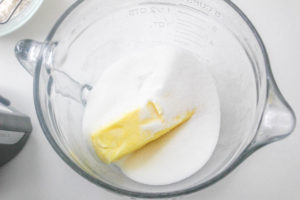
x=272 y=173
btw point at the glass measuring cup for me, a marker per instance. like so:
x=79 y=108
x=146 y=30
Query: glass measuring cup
x=93 y=34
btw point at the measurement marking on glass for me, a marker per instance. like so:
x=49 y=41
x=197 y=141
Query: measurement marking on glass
x=190 y=23
x=193 y=9
x=148 y=10
x=159 y=10
x=205 y=8
x=160 y=24
x=157 y=3
x=180 y=12
x=187 y=39
x=192 y=34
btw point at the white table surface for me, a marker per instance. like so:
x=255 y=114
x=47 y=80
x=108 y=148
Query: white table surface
x=272 y=173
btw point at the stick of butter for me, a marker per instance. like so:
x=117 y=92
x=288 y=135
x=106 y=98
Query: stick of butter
x=134 y=130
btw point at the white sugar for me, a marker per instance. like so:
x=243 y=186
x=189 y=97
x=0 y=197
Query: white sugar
x=176 y=81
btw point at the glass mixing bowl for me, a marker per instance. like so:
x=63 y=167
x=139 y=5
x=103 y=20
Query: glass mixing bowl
x=91 y=35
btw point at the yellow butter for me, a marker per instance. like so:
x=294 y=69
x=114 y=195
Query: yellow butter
x=132 y=131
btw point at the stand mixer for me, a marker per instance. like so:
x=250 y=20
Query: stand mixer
x=15 y=129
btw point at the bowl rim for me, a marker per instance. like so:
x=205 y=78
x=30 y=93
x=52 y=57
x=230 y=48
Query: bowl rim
x=27 y=17
x=117 y=190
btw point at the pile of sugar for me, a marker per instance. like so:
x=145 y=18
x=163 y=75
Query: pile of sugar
x=8 y=6
x=177 y=82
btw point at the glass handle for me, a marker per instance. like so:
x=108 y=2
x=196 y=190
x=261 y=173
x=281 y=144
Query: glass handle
x=278 y=120
x=66 y=86
x=29 y=52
